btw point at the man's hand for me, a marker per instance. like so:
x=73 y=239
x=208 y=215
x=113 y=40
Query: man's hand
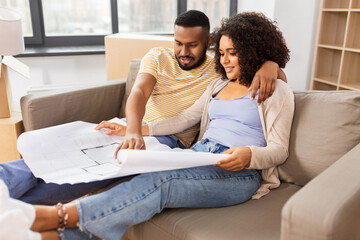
x=114 y=128
x=131 y=141
x=265 y=80
x=239 y=159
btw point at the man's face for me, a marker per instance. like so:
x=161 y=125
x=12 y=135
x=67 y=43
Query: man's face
x=190 y=46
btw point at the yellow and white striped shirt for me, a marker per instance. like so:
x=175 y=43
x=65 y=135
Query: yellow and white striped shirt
x=175 y=89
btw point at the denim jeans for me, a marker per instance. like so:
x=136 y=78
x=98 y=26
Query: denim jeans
x=24 y=186
x=109 y=214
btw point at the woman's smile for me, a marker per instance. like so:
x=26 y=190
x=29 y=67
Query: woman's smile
x=228 y=69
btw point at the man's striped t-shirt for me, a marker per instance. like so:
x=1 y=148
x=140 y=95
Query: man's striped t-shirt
x=175 y=89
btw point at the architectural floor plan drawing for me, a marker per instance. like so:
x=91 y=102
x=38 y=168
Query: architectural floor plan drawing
x=102 y=165
x=76 y=153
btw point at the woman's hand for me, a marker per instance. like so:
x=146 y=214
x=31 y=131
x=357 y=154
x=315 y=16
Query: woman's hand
x=114 y=128
x=239 y=159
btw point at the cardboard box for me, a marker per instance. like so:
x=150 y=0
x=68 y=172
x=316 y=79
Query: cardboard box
x=120 y=48
x=12 y=64
x=10 y=130
x=5 y=93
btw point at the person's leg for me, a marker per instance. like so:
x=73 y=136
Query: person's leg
x=17 y=177
x=24 y=186
x=47 y=220
x=171 y=141
x=72 y=233
x=51 y=193
x=108 y=215
x=76 y=234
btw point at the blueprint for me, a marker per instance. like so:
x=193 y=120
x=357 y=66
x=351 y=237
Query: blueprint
x=76 y=153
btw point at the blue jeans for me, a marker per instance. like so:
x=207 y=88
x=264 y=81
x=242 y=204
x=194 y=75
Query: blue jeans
x=109 y=214
x=23 y=185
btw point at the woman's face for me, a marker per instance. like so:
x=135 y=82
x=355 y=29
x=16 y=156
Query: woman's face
x=229 y=58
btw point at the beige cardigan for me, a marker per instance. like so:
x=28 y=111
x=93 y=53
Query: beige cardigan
x=276 y=115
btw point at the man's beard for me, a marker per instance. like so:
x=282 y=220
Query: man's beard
x=198 y=63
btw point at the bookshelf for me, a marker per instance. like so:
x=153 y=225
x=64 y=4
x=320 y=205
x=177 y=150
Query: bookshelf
x=337 y=51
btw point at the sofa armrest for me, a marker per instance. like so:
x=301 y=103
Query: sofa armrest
x=328 y=207
x=91 y=104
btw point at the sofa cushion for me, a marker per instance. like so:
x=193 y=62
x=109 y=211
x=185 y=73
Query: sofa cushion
x=91 y=103
x=236 y=222
x=133 y=71
x=326 y=125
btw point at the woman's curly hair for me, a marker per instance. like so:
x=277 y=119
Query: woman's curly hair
x=256 y=40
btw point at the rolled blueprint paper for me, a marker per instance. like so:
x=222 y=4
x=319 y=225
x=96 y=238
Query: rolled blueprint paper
x=152 y=161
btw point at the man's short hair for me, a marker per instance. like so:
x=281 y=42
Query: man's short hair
x=193 y=18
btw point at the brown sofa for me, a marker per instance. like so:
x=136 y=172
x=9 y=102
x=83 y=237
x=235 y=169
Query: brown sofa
x=319 y=197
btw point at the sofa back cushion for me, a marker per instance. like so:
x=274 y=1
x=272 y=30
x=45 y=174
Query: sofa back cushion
x=326 y=125
x=133 y=71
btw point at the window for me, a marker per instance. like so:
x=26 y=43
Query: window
x=156 y=16
x=215 y=10
x=48 y=23
x=80 y=17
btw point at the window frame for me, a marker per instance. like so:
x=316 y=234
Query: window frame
x=39 y=39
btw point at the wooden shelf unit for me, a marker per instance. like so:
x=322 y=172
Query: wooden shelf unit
x=337 y=51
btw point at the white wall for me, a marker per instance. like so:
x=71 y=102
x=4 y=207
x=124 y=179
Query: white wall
x=56 y=72
x=297 y=19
